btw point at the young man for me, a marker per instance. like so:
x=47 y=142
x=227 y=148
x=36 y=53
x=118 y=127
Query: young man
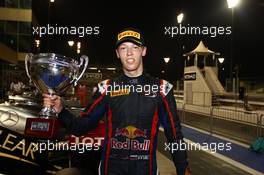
x=136 y=104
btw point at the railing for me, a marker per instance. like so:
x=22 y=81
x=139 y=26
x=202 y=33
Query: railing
x=260 y=124
x=240 y=125
x=198 y=98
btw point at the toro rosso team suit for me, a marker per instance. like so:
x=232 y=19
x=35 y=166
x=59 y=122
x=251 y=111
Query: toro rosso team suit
x=135 y=106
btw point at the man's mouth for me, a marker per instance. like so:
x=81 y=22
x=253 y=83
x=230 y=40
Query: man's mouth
x=130 y=60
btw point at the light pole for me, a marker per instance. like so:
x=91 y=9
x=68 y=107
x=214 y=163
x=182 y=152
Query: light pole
x=179 y=21
x=71 y=43
x=232 y=4
x=166 y=60
x=50 y=2
x=49 y=12
x=221 y=61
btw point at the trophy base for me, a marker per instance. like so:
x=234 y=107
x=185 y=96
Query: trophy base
x=47 y=128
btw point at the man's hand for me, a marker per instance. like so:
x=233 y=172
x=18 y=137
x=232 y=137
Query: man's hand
x=53 y=101
x=187 y=171
x=183 y=169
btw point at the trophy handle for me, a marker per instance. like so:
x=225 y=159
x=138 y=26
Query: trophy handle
x=27 y=59
x=86 y=59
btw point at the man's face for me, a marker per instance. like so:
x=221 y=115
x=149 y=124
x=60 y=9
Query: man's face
x=131 y=55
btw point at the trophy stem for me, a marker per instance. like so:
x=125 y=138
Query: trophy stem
x=48 y=112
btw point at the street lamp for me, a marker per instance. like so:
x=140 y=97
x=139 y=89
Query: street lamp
x=71 y=43
x=221 y=60
x=78 y=47
x=50 y=2
x=232 y=4
x=180 y=18
x=37 y=42
x=110 y=68
x=166 y=59
x=221 y=68
x=37 y=45
x=93 y=68
x=181 y=44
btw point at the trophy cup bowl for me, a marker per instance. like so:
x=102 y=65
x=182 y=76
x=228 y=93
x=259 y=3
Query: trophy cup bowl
x=51 y=74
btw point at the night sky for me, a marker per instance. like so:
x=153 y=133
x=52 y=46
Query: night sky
x=151 y=18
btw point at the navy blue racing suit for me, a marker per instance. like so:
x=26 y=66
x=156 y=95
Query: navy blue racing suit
x=135 y=107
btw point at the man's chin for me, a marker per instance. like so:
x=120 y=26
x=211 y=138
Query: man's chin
x=130 y=68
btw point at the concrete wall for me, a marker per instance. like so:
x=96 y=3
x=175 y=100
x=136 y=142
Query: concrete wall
x=212 y=80
x=201 y=93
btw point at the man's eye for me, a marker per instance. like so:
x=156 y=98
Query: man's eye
x=136 y=47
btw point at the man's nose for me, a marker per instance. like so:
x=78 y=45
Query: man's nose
x=129 y=51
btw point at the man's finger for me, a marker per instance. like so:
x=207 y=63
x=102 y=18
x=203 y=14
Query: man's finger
x=55 y=97
x=46 y=95
x=51 y=97
x=48 y=102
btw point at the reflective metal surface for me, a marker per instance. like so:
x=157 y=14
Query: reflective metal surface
x=13 y=116
x=53 y=74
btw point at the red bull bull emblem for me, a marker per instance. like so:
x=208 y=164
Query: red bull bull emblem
x=131 y=132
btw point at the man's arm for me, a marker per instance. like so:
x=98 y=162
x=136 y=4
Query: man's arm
x=88 y=119
x=172 y=127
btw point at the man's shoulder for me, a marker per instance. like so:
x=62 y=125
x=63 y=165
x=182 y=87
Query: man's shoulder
x=165 y=87
x=102 y=85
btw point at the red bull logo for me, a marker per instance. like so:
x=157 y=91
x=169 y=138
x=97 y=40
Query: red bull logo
x=131 y=132
x=130 y=144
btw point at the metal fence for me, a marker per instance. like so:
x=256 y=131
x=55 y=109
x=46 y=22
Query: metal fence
x=198 y=98
x=243 y=126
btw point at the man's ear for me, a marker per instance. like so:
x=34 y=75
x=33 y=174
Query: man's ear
x=144 y=52
x=117 y=54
